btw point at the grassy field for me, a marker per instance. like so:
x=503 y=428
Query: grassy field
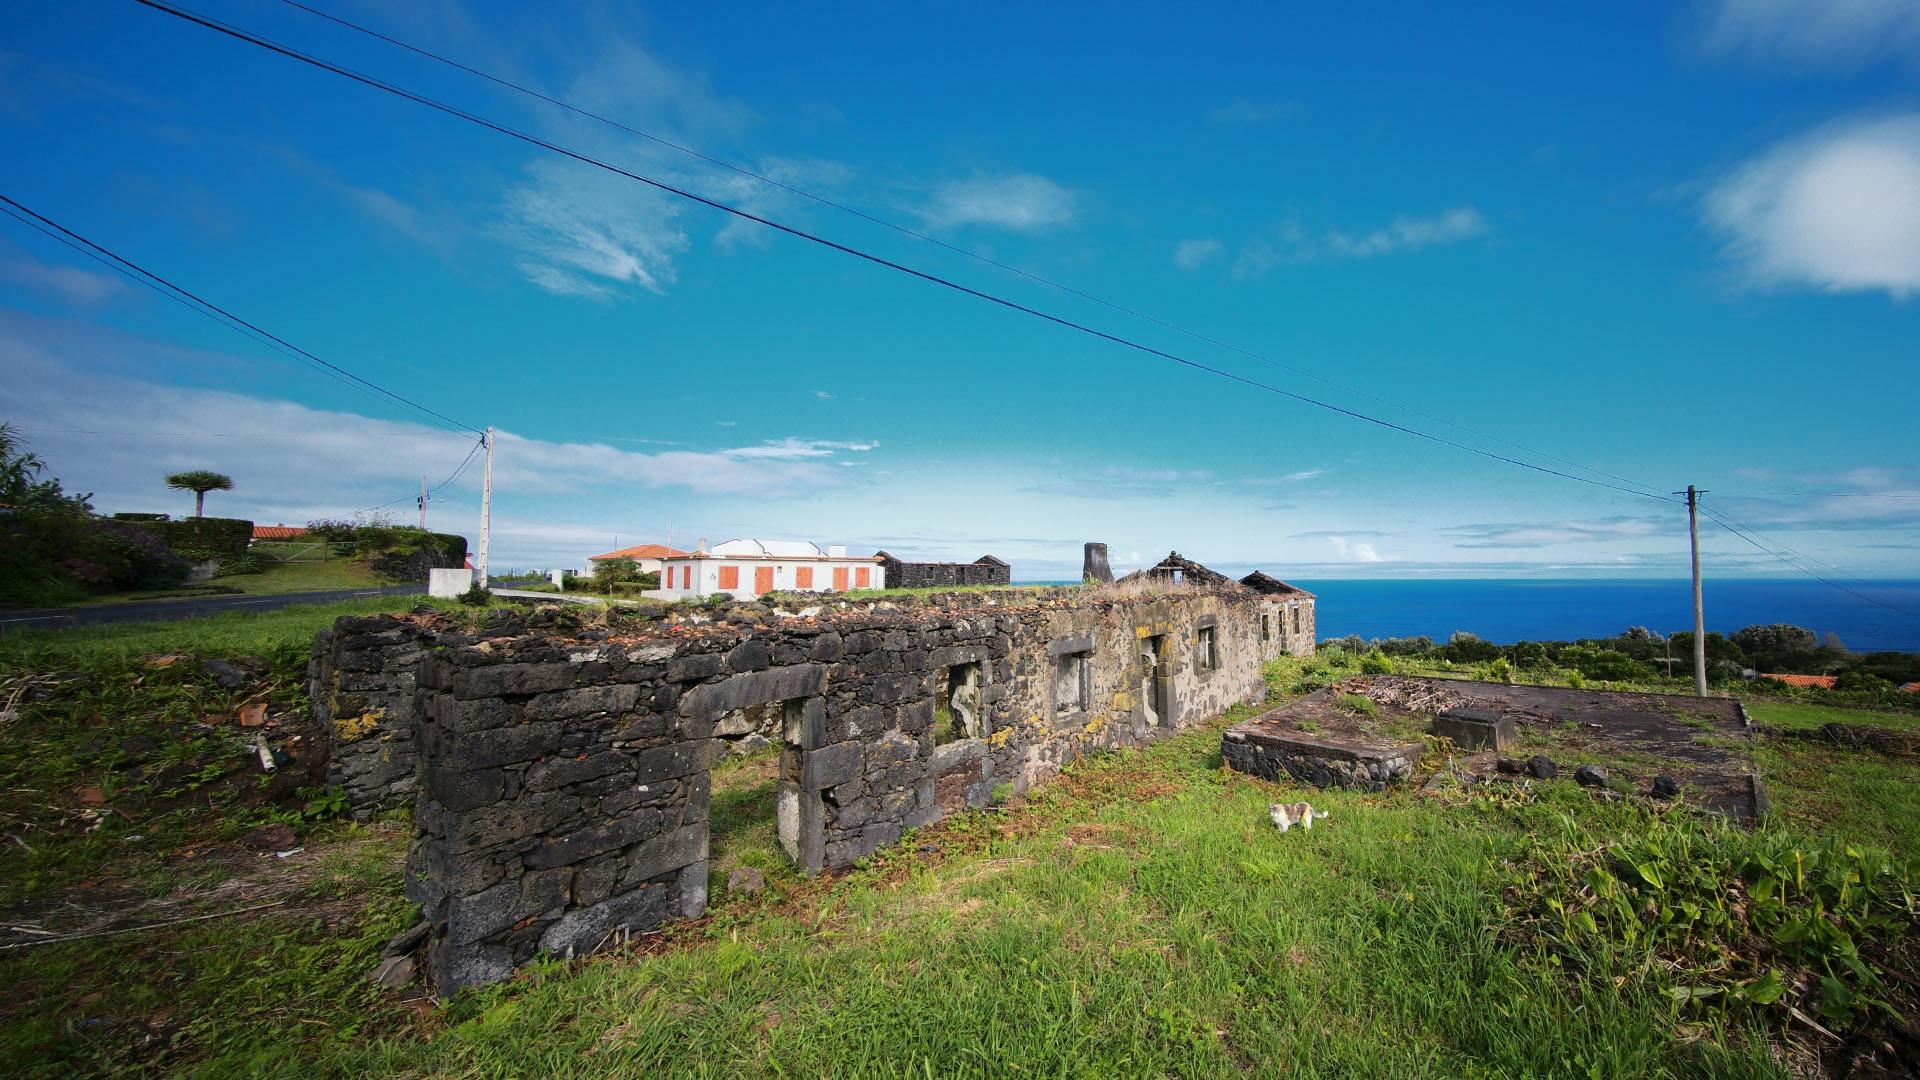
x=1137 y=916
x=285 y=567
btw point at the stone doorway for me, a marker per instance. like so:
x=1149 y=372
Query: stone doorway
x=1156 y=681
x=957 y=712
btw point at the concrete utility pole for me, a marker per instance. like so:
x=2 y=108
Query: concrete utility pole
x=423 y=502
x=1699 y=611
x=486 y=511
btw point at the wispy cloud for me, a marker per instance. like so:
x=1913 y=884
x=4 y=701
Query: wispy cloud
x=1836 y=209
x=1538 y=534
x=823 y=395
x=1306 y=474
x=1832 y=34
x=1293 y=243
x=1193 y=254
x=1022 y=202
x=69 y=285
x=789 y=449
x=1249 y=111
x=1126 y=482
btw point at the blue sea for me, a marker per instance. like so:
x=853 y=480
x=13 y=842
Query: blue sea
x=1512 y=610
x=1517 y=610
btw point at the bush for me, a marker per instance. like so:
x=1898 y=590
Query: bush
x=1376 y=663
x=141 y=517
x=1499 y=669
x=205 y=538
x=1466 y=647
x=477 y=596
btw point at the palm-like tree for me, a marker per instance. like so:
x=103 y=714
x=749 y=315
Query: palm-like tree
x=200 y=481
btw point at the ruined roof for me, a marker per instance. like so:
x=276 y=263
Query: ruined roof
x=1178 y=565
x=640 y=551
x=1262 y=582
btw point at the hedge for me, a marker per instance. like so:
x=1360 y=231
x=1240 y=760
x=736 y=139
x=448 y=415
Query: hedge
x=207 y=538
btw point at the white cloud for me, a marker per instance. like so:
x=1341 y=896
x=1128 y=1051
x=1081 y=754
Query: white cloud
x=1306 y=474
x=1292 y=243
x=790 y=448
x=1411 y=234
x=1193 y=254
x=1835 y=34
x=1522 y=534
x=1021 y=201
x=70 y=285
x=1837 y=209
x=823 y=395
x=1355 y=551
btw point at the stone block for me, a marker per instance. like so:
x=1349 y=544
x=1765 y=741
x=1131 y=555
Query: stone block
x=585 y=701
x=1475 y=729
x=551 y=774
x=580 y=932
x=462 y=791
x=665 y=853
x=669 y=762
x=750 y=655
x=499 y=746
x=499 y=680
x=695 y=666
x=754 y=688
x=831 y=765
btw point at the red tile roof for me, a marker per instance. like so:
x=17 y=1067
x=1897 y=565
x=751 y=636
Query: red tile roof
x=278 y=532
x=1910 y=688
x=1824 y=682
x=641 y=551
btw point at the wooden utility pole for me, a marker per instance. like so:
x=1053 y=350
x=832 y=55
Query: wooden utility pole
x=423 y=502
x=486 y=511
x=1699 y=611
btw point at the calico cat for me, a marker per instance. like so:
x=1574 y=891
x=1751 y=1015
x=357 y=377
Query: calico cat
x=1287 y=815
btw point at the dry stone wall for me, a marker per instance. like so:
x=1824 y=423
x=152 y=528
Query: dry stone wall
x=362 y=683
x=562 y=777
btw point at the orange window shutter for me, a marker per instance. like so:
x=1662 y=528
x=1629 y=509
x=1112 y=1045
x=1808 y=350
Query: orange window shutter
x=729 y=577
x=862 y=577
x=762 y=579
x=803 y=577
x=840 y=579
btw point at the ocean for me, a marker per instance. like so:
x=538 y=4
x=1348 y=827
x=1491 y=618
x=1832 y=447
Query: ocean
x=1509 y=610
x=1514 y=610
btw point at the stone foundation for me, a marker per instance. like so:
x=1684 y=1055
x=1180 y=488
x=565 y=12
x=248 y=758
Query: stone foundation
x=1312 y=761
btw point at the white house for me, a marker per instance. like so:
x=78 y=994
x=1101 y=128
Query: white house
x=746 y=568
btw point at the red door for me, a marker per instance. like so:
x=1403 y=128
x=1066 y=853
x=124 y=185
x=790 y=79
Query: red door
x=839 y=579
x=762 y=579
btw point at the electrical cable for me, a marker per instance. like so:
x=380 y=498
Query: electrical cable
x=934 y=240
x=534 y=140
x=1817 y=577
x=455 y=475
x=207 y=307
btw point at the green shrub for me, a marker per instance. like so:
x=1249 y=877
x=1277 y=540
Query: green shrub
x=141 y=517
x=1376 y=663
x=476 y=596
x=1499 y=669
x=1359 y=703
x=204 y=538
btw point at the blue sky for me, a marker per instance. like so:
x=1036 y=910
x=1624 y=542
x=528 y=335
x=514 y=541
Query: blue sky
x=1675 y=243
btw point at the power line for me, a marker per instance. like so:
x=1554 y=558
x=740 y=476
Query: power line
x=1826 y=494
x=465 y=463
x=159 y=284
x=1799 y=554
x=1742 y=534
x=534 y=140
x=916 y=234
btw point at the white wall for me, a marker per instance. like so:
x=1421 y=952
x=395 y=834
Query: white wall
x=785 y=575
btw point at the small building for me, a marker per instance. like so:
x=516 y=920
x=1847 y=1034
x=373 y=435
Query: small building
x=648 y=557
x=1286 y=616
x=279 y=532
x=747 y=568
x=986 y=570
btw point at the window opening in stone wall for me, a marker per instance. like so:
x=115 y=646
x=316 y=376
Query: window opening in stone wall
x=1296 y=620
x=1155 y=682
x=1266 y=627
x=1070 y=677
x=745 y=833
x=956 y=704
x=1205 y=656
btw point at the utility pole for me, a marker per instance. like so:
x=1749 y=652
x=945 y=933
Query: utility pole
x=423 y=502
x=486 y=510
x=1699 y=611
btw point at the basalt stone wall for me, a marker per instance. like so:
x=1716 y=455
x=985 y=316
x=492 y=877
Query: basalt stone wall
x=564 y=784
x=1288 y=628
x=924 y=575
x=362 y=681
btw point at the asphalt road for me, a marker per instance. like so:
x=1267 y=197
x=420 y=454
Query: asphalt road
x=158 y=610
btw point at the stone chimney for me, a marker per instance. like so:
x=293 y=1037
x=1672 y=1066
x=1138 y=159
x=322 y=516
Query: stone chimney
x=1094 y=567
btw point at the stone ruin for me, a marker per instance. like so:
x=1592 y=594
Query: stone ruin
x=559 y=772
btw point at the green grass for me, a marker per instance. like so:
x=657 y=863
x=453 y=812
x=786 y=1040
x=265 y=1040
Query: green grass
x=237 y=633
x=1135 y=916
x=1791 y=714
